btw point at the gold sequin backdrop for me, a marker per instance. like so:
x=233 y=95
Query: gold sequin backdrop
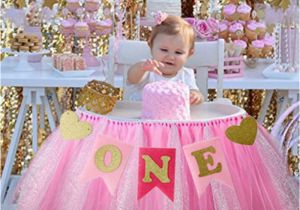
x=11 y=96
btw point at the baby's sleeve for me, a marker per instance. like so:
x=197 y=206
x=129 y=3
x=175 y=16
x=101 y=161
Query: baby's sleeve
x=190 y=79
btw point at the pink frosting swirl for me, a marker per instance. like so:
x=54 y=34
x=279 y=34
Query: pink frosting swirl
x=240 y=43
x=260 y=25
x=252 y=26
x=244 y=8
x=258 y=43
x=229 y=9
x=223 y=27
x=269 y=40
x=236 y=27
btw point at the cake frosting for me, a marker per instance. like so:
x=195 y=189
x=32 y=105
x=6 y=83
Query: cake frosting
x=257 y=44
x=166 y=100
x=229 y=9
x=236 y=27
x=240 y=43
x=269 y=40
x=244 y=8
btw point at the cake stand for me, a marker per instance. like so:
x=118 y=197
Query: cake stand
x=23 y=64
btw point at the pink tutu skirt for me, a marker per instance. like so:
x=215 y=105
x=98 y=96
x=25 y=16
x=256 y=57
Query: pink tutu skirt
x=259 y=175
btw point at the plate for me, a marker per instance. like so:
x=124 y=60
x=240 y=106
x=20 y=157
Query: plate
x=270 y=73
x=77 y=73
x=8 y=50
x=131 y=111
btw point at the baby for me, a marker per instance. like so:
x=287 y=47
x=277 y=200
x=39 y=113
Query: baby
x=171 y=43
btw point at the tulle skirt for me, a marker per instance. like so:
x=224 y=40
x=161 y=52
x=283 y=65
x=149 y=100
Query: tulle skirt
x=259 y=175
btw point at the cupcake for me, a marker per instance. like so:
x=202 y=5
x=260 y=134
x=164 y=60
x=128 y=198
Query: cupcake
x=229 y=12
x=104 y=27
x=251 y=31
x=92 y=24
x=72 y=5
x=91 y=5
x=241 y=44
x=67 y=27
x=255 y=48
x=236 y=31
x=268 y=46
x=261 y=30
x=223 y=30
x=81 y=29
x=243 y=11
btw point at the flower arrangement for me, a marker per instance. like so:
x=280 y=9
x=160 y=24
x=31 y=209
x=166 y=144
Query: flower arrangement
x=205 y=29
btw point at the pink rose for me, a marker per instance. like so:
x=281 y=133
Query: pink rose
x=202 y=29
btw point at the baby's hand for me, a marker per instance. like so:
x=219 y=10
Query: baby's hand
x=196 y=97
x=152 y=65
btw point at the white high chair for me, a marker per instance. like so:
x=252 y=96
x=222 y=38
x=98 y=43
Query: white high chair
x=207 y=54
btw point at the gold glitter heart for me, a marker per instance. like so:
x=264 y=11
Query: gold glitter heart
x=71 y=128
x=243 y=134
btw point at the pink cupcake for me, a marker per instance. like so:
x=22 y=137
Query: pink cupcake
x=229 y=12
x=223 y=30
x=251 y=31
x=243 y=11
x=240 y=43
x=236 y=31
x=255 y=48
x=91 y=5
x=67 y=26
x=104 y=27
x=261 y=30
x=72 y=5
x=81 y=29
x=268 y=46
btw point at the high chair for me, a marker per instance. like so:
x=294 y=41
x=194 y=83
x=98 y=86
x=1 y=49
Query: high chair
x=207 y=55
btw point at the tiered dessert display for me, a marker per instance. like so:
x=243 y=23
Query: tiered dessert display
x=286 y=52
x=241 y=23
x=81 y=22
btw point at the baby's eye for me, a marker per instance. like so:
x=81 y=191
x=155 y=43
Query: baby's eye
x=163 y=49
x=179 y=52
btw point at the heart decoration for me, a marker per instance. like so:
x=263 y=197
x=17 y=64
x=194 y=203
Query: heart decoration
x=71 y=128
x=245 y=133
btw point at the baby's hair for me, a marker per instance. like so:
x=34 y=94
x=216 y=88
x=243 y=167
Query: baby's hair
x=174 y=25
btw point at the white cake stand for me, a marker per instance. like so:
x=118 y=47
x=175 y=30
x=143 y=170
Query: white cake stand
x=23 y=64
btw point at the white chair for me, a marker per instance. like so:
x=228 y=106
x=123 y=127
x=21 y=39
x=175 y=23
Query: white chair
x=207 y=54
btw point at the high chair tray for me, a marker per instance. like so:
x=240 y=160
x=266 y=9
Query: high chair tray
x=131 y=111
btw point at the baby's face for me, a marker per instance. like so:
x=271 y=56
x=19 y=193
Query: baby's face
x=172 y=50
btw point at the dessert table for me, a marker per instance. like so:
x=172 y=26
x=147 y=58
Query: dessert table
x=254 y=79
x=34 y=84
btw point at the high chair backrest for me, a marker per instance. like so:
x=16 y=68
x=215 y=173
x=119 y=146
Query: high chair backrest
x=206 y=55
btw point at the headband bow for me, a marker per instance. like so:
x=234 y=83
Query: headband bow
x=159 y=17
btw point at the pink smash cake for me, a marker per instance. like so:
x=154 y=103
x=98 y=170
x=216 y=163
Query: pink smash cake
x=166 y=100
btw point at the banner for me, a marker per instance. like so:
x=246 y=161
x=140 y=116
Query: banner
x=108 y=160
x=156 y=169
x=207 y=162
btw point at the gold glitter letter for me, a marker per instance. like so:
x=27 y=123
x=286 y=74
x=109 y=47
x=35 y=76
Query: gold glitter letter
x=160 y=173
x=202 y=161
x=116 y=158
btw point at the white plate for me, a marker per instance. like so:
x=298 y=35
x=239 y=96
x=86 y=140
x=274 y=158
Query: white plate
x=131 y=111
x=77 y=73
x=41 y=52
x=270 y=73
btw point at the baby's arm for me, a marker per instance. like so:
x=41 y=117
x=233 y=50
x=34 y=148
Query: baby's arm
x=196 y=97
x=137 y=71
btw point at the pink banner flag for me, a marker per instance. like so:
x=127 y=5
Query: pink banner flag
x=207 y=162
x=107 y=160
x=156 y=169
